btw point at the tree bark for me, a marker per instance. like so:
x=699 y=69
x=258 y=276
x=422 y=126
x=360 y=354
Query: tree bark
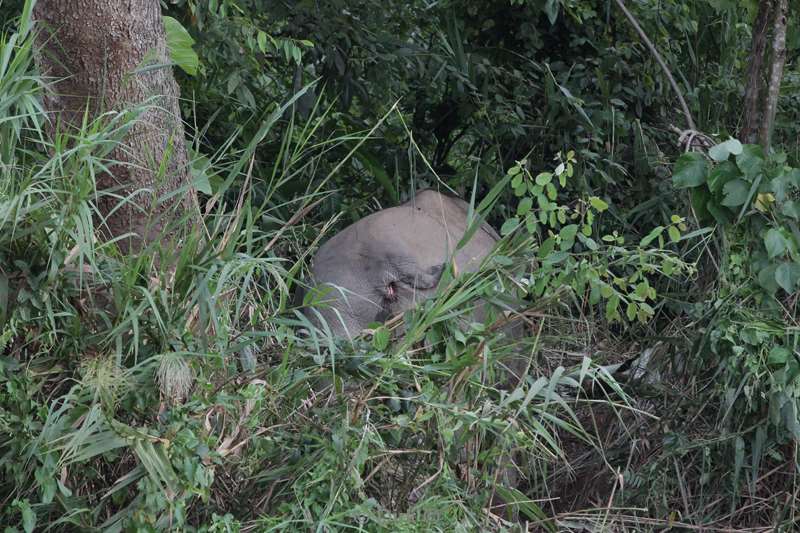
x=781 y=13
x=91 y=50
x=755 y=74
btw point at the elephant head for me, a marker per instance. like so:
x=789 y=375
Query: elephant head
x=389 y=261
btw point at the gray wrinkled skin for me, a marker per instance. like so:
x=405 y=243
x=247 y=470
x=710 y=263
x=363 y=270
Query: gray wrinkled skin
x=392 y=259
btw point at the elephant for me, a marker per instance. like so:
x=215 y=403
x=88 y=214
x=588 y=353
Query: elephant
x=391 y=260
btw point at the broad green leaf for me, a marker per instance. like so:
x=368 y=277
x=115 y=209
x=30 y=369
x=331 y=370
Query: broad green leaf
x=28 y=518
x=690 y=171
x=735 y=192
x=588 y=242
x=598 y=203
x=750 y=160
x=179 y=43
x=551 y=8
x=778 y=356
x=524 y=206
x=699 y=197
x=791 y=209
x=781 y=185
x=721 y=151
x=787 y=276
x=544 y=178
x=721 y=214
x=568 y=234
x=766 y=278
x=674 y=233
x=775 y=243
x=722 y=174
x=261 y=39
x=509 y=226
x=531 y=223
x=551 y=191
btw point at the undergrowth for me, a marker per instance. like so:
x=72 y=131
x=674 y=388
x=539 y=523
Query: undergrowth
x=181 y=389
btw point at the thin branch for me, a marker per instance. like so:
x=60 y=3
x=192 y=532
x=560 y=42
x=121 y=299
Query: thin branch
x=667 y=73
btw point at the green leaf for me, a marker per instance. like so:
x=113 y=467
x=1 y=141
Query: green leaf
x=721 y=214
x=568 y=234
x=735 y=192
x=787 y=275
x=588 y=242
x=551 y=191
x=653 y=235
x=261 y=39
x=530 y=223
x=544 y=178
x=791 y=209
x=179 y=43
x=699 y=197
x=509 y=226
x=766 y=278
x=775 y=243
x=781 y=185
x=598 y=203
x=611 y=307
x=380 y=339
x=722 y=174
x=524 y=206
x=721 y=151
x=674 y=233
x=690 y=171
x=778 y=356
x=750 y=160
x=551 y=8
x=28 y=518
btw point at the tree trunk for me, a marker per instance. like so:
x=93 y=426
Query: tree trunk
x=780 y=14
x=91 y=49
x=755 y=74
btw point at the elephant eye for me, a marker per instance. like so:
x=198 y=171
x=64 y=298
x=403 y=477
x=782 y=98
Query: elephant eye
x=391 y=291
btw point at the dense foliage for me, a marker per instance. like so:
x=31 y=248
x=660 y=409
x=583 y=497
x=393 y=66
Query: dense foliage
x=177 y=389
